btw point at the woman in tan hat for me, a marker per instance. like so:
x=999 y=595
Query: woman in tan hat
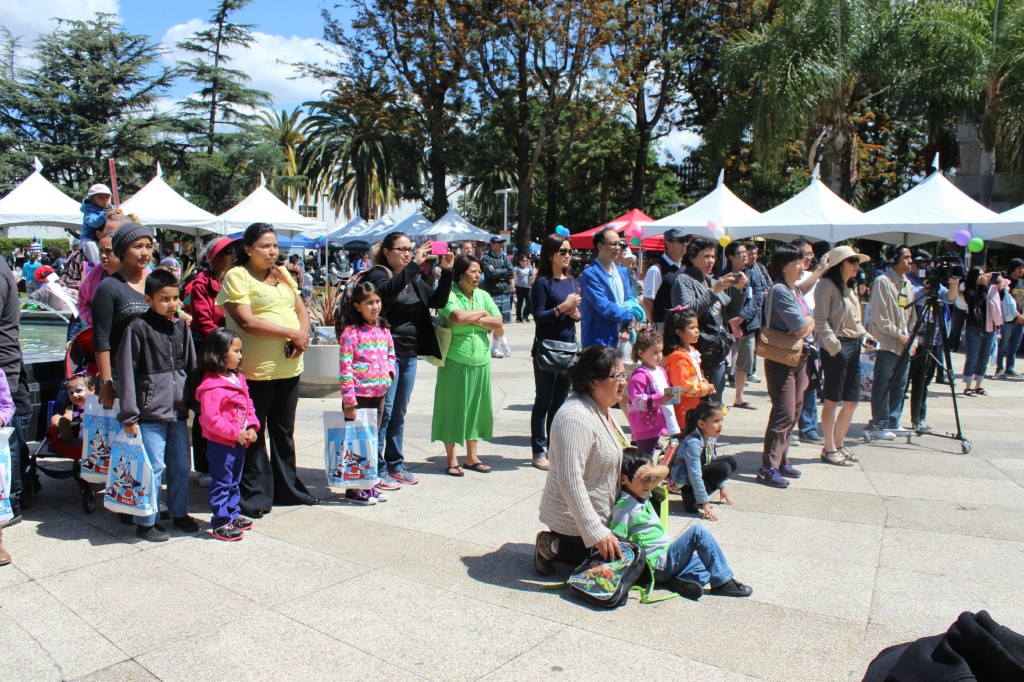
x=840 y=334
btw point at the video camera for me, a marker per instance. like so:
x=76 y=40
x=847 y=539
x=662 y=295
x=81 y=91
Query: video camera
x=944 y=268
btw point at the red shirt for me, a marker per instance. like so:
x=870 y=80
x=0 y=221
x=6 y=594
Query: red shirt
x=206 y=315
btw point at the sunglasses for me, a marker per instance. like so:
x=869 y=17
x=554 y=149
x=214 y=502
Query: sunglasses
x=853 y=259
x=563 y=252
x=621 y=244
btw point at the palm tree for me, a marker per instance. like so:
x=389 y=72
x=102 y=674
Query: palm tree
x=287 y=131
x=820 y=62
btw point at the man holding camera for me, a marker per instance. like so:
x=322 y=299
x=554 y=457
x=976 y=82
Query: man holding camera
x=921 y=371
x=892 y=317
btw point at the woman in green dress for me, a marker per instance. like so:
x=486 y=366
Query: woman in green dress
x=462 y=413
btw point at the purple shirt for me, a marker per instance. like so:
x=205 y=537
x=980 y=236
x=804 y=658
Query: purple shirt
x=6 y=402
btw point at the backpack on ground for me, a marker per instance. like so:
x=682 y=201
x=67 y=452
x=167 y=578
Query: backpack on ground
x=608 y=583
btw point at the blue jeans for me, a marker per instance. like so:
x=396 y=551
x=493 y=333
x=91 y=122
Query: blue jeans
x=977 y=352
x=716 y=377
x=392 y=423
x=1008 y=345
x=887 y=415
x=226 y=463
x=504 y=303
x=21 y=423
x=808 y=421
x=696 y=556
x=552 y=390
x=167 y=446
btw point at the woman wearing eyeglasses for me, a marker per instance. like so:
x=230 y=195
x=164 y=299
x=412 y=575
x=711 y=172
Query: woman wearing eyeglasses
x=398 y=275
x=585 y=460
x=555 y=301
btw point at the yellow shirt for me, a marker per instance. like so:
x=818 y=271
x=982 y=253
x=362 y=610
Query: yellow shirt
x=263 y=357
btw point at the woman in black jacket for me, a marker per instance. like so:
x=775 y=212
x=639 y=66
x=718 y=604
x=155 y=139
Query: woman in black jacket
x=407 y=300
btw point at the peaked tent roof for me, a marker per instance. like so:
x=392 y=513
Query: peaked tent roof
x=37 y=202
x=452 y=227
x=263 y=207
x=934 y=209
x=721 y=205
x=814 y=213
x=157 y=205
x=377 y=230
x=1008 y=226
x=634 y=217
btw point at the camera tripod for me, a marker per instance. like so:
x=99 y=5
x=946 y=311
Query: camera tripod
x=937 y=356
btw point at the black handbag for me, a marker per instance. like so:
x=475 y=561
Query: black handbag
x=555 y=356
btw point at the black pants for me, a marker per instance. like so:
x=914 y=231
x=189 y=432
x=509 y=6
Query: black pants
x=552 y=390
x=199 y=462
x=920 y=376
x=522 y=303
x=274 y=480
x=714 y=474
x=571 y=549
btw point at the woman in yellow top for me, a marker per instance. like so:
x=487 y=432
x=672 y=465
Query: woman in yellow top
x=462 y=399
x=264 y=307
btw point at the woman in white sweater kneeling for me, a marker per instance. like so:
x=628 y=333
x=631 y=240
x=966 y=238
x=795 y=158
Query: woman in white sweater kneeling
x=585 y=455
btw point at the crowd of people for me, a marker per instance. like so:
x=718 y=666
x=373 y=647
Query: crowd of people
x=664 y=348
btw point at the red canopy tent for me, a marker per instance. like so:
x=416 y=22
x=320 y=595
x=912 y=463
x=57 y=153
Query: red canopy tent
x=636 y=217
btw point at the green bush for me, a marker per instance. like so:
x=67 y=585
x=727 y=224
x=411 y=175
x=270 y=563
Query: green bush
x=8 y=244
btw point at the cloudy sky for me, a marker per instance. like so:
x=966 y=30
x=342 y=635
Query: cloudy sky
x=285 y=32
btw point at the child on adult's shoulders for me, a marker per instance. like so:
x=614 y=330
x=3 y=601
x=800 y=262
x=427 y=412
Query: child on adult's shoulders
x=684 y=565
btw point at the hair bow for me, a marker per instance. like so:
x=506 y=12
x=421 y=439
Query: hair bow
x=679 y=308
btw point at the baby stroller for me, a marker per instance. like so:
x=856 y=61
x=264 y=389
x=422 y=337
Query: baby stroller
x=80 y=357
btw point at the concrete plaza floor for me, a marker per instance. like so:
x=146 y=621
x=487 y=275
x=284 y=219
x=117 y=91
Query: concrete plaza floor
x=438 y=582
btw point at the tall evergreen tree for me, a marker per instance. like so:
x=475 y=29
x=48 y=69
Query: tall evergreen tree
x=223 y=97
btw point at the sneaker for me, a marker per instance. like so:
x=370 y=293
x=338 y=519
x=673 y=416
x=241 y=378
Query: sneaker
x=543 y=555
x=883 y=434
x=505 y=348
x=227 y=533
x=361 y=497
x=999 y=374
x=771 y=477
x=204 y=480
x=789 y=471
x=794 y=440
x=685 y=588
x=242 y=523
x=902 y=431
x=387 y=482
x=405 y=477
x=811 y=438
x=496 y=354
x=154 y=533
x=379 y=494
x=921 y=427
x=753 y=378
x=187 y=524
x=732 y=588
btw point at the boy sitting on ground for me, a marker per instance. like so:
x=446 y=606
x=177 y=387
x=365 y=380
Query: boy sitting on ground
x=683 y=566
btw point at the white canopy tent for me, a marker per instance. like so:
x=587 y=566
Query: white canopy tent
x=934 y=209
x=1005 y=227
x=814 y=213
x=368 y=234
x=263 y=207
x=37 y=202
x=338 y=234
x=159 y=206
x=721 y=205
x=452 y=227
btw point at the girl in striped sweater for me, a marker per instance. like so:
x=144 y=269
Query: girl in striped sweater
x=367 y=364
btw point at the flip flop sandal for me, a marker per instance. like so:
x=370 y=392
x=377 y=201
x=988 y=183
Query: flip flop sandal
x=841 y=463
x=479 y=467
x=969 y=391
x=849 y=455
x=455 y=471
x=745 y=406
x=980 y=391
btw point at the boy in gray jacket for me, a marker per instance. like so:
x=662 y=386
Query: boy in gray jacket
x=155 y=358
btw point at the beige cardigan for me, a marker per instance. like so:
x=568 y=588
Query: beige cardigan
x=836 y=315
x=585 y=459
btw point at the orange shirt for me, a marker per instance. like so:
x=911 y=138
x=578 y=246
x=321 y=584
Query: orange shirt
x=683 y=372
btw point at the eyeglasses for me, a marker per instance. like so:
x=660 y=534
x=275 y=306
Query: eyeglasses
x=564 y=252
x=619 y=376
x=621 y=244
x=403 y=249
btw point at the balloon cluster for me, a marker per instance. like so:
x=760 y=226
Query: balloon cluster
x=718 y=232
x=561 y=231
x=973 y=244
x=633 y=233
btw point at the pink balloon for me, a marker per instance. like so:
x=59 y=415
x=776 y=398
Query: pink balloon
x=713 y=225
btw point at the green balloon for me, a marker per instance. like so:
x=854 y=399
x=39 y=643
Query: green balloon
x=976 y=245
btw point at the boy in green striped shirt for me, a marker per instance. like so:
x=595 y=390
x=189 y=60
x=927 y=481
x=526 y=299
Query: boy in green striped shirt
x=684 y=565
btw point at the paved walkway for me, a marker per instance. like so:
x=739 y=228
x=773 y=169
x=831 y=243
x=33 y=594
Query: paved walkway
x=438 y=582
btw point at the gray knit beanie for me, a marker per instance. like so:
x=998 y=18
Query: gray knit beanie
x=126 y=234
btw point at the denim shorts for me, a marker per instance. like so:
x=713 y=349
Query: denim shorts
x=842 y=372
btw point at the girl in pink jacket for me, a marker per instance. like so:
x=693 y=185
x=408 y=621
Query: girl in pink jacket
x=650 y=411
x=229 y=424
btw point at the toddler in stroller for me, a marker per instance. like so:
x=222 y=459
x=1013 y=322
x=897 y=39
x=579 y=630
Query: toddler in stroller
x=67 y=418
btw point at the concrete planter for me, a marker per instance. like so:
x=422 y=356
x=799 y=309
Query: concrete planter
x=319 y=372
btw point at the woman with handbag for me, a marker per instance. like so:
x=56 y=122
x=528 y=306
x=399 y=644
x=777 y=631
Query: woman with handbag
x=555 y=301
x=839 y=332
x=787 y=324
x=462 y=397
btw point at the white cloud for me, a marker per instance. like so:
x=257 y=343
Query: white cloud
x=678 y=144
x=267 y=62
x=29 y=19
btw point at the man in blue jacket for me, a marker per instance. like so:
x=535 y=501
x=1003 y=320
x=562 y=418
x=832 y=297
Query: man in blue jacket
x=605 y=290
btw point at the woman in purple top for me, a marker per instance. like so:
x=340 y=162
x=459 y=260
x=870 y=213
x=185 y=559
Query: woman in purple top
x=555 y=301
x=6 y=414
